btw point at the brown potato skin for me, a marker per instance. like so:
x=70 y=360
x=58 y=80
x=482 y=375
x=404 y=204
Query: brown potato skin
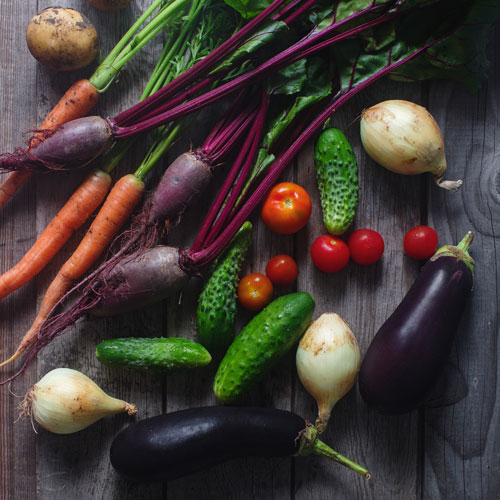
x=62 y=39
x=109 y=5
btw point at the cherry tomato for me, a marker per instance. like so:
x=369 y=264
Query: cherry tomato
x=255 y=291
x=287 y=208
x=366 y=246
x=329 y=254
x=282 y=270
x=420 y=242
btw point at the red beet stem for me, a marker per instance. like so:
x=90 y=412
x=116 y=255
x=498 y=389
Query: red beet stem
x=136 y=112
x=230 y=129
x=199 y=259
x=306 y=46
x=245 y=157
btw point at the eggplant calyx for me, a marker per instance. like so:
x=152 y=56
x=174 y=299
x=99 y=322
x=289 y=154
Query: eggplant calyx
x=460 y=251
x=310 y=444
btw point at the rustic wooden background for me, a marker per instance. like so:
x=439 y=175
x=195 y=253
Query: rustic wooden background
x=446 y=451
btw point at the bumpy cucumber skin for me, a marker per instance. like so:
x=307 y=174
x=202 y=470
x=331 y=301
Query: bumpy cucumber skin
x=337 y=177
x=262 y=343
x=216 y=313
x=160 y=355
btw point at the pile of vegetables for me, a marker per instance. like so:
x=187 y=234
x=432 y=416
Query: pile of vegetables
x=270 y=116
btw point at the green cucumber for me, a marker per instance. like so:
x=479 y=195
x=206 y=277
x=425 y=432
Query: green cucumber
x=216 y=313
x=262 y=343
x=337 y=177
x=160 y=355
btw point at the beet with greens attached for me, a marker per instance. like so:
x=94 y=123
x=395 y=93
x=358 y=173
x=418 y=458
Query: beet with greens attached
x=183 y=442
x=407 y=354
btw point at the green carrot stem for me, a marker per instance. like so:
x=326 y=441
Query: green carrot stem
x=149 y=32
x=157 y=150
x=125 y=38
x=131 y=43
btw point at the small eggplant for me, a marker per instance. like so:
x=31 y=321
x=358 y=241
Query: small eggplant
x=407 y=354
x=183 y=442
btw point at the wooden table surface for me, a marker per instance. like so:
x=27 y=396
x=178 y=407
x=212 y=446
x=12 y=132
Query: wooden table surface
x=443 y=451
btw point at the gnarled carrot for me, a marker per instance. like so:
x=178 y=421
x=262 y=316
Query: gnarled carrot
x=89 y=195
x=118 y=206
x=78 y=100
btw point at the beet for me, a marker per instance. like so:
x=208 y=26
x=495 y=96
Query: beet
x=186 y=177
x=140 y=279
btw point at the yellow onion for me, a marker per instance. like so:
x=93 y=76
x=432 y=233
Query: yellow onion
x=66 y=401
x=404 y=138
x=328 y=361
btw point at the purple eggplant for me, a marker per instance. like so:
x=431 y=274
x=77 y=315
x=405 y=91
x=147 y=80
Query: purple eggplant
x=183 y=442
x=406 y=356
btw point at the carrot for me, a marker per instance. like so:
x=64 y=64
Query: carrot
x=118 y=206
x=78 y=100
x=89 y=195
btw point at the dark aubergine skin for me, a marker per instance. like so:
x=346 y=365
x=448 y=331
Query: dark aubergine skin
x=407 y=354
x=185 y=178
x=183 y=442
x=143 y=278
x=76 y=143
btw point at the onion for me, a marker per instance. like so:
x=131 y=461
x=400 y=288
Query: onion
x=404 y=138
x=66 y=401
x=328 y=362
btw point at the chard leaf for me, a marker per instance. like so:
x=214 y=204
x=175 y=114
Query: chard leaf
x=462 y=55
x=248 y=8
x=459 y=56
x=259 y=39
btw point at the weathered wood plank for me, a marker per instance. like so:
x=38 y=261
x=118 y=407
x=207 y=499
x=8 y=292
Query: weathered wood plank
x=68 y=463
x=364 y=297
x=462 y=441
x=448 y=453
x=17 y=232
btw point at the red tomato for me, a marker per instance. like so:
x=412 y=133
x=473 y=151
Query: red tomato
x=282 y=270
x=255 y=291
x=420 y=242
x=287 y=208
x=366 y=246
x=329 y=254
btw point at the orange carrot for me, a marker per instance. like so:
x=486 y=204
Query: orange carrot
x=78 y=100
x=118 y=206
x=89 y=195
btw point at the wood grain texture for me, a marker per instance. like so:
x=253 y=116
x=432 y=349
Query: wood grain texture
x=439 y=452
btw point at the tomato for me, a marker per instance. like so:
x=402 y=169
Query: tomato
x=329 y=254
x=420 y=242
x=282 y=270
x=287 y=208
x=255 y=291
x=366 y=246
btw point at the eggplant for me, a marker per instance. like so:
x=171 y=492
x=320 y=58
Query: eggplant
x=174 y=445
x=406 y=357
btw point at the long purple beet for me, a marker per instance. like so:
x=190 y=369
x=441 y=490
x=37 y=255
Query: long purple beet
x=73 y=144
x=142 y=278
x=185 y=178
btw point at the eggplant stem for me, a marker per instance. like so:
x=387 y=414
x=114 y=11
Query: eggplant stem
x=310 y=444
x=466 y=242
x=321 y=448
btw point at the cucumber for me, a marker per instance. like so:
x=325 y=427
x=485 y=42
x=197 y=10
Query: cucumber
x=216 y=313
x=160 y=355
x=337 y=177
x=262 y=343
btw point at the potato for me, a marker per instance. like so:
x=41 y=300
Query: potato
x=109 y=5
x=62 y=39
